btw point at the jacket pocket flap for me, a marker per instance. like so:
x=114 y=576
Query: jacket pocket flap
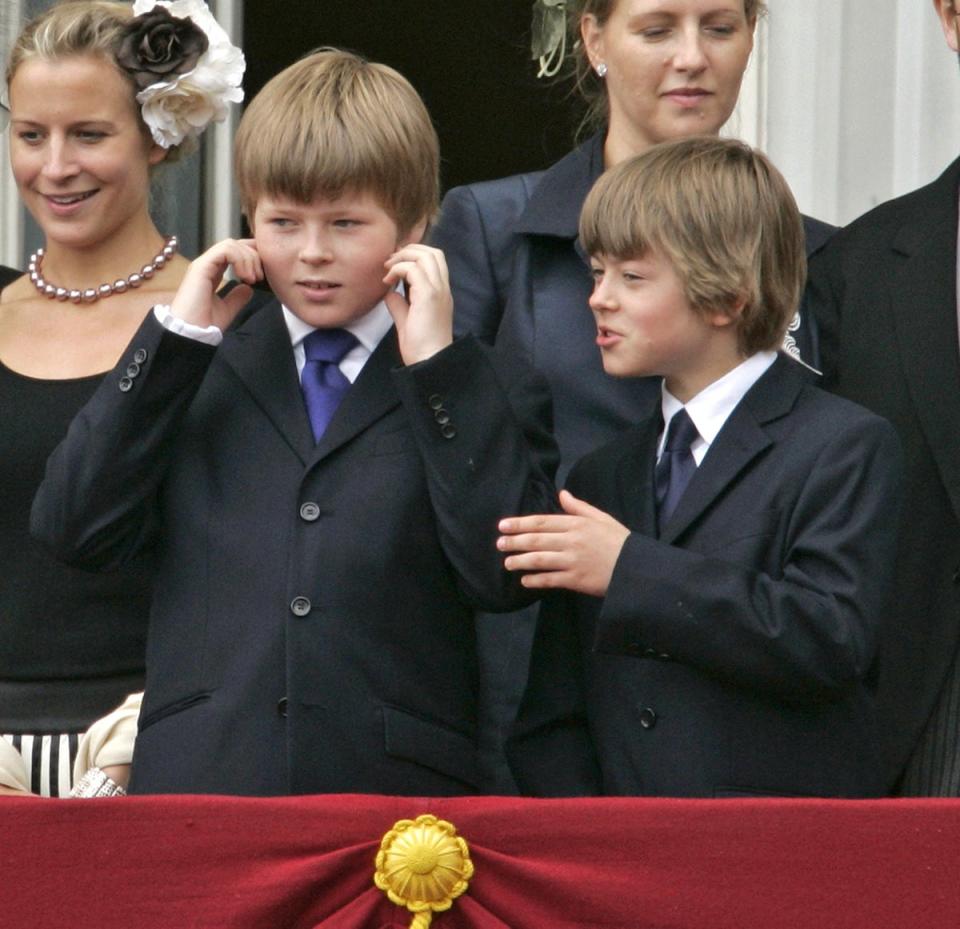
x=431 y=745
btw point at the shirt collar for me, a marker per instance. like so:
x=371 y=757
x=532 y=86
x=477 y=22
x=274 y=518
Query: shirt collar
x=711 y=408
x=369 y=328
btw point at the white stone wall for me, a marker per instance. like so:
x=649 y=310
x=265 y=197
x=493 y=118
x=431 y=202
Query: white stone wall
x=856 y=101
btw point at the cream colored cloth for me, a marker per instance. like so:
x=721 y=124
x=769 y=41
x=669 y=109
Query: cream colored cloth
x=109 y=740
x=13 y=772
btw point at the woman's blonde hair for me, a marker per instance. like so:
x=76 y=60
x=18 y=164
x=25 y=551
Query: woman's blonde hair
x=80 y=27
x=333 y=123
x=725 y=219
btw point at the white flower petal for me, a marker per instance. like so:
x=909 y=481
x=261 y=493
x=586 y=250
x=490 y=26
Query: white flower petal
x=182 y=108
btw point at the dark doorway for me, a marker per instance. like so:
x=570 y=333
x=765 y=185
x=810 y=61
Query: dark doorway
x=469 y=59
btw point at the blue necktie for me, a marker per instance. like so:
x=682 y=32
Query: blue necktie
x=323 y=383
x=676 y=465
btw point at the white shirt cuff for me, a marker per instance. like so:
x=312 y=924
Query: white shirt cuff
x=211 y=335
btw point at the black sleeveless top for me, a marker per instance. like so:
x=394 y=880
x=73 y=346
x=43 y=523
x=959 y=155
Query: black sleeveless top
x=71 y=642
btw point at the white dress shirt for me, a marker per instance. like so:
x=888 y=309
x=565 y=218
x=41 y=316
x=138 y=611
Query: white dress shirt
x=711 y=408
x=369 y=330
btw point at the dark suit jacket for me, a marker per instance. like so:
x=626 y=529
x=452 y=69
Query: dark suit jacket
x=520 y=278
x=734 y=654
x=884 y=293
x=312 y=626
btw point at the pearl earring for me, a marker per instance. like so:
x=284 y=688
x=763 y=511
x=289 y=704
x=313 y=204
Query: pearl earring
x=601 y=70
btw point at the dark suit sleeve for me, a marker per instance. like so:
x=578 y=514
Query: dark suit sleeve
x=806 y=632
x=462 y=233
x=488 y=452
x=93 y=508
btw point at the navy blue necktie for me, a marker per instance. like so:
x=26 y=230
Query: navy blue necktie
x=324 y=385
x=676 y=465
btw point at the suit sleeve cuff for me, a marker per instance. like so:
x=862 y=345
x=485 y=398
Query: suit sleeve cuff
x=210 y=335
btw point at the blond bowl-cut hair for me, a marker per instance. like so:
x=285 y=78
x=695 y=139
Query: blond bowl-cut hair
x=725 y=219
x=335 y=123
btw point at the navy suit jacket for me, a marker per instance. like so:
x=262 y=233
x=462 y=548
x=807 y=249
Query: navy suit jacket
x=734 y=655
x=520 y=279
x=884 y=292
x=312 y=624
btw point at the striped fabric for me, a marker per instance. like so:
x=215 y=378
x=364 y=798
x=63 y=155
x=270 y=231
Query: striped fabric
x=934 y=769
x=49 y=761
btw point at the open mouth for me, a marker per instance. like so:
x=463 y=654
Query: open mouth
x=64 y=201
x=606 y=336
x=69 y=199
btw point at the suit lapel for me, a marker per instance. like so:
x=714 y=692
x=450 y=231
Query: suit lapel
x=739 y=442
x=259 y=353
x=923 y=296
x=372 y=395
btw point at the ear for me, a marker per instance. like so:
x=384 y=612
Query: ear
x=721 y=317
x=592 y=34
x=414 y=235
x=156 y=154
x=948 y=22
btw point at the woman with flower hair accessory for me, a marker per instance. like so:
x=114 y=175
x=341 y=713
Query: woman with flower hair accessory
x=649 y=71
x=100 y=95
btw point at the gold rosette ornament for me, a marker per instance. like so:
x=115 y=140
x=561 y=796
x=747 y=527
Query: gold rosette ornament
x=423 y=865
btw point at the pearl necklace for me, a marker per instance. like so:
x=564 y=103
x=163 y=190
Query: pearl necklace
x=104 y=290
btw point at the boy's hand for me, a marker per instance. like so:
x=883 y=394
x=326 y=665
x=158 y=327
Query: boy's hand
x=425 y=323
x=577 y=551
x=197 y=302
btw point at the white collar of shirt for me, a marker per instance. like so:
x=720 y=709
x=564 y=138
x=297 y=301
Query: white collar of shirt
x=369 y=330
x=711 y=408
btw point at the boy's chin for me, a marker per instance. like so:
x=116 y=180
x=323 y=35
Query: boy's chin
x=326 y=315
x=618 y=367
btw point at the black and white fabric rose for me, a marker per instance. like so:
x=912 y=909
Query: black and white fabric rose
x=159 y=47
x=187 y=70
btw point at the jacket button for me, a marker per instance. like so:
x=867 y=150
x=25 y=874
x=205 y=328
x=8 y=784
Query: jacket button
x=140 y=356
x=441 y=416
x=309 y=512
x=435 y=401
x=447 y=431
x=133 y=369
x=282 y=707
x=649 y=653
x=300 y=606
x=648 y=718
x=125 y=384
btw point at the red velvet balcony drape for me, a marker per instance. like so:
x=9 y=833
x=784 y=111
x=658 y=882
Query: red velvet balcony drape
x=307 y=863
